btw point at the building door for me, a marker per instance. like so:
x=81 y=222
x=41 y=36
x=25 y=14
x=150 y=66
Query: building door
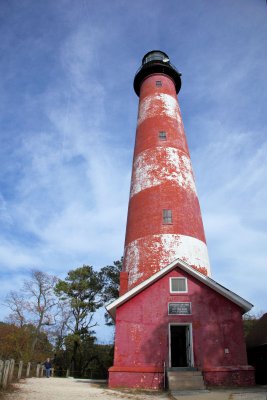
x=180 y=346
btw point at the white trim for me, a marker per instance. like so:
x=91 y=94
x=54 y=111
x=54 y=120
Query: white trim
x=191 y=341
x=244 y=304
x=178 y=291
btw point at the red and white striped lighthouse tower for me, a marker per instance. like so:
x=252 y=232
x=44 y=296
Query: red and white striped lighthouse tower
x=164 y=218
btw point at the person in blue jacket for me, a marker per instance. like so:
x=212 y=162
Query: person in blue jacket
x=48 y=367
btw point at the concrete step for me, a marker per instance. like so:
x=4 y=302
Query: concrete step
x=185 y=380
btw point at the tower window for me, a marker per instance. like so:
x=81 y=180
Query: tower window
x=178 y=285
x=158 y=83
x=167 y=216
x=162 y=135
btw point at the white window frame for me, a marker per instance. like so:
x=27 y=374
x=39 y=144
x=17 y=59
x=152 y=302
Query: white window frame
x=180 y=291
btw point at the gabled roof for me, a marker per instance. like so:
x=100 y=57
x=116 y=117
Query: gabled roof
x=242 y=303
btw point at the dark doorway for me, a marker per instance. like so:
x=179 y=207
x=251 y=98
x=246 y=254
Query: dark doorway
x=180 y=346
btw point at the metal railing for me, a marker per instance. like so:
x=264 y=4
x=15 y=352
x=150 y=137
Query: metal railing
x=168 y=65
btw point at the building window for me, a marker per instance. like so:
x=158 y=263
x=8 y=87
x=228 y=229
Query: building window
x=162 y=135
x=158 y=83
x=167 y=216
x=178 y=285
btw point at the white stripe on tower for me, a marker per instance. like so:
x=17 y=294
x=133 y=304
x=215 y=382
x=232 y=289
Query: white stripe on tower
x=174 y=166
x=165 y=248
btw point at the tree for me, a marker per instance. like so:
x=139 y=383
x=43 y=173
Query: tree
x=62 y=319
x=15 y=342
x=111 y=285
x=34 y=304
x=17 y=304
x=250 y=320
x=81 y=289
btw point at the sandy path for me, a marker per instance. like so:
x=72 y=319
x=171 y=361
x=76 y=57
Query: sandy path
x=78 y=389
x=72 y=389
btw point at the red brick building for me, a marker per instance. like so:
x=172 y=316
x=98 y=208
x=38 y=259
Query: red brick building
x=170 y=316
x=183 y=319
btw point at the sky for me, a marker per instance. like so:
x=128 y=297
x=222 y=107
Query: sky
x=67 y=128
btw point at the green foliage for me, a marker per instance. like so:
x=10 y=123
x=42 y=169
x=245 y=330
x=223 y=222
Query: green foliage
x=82 y=292
x=93 y=360
x=111 y=280
x=50 y=311
x=111 y=285
x=101 y=360
x=250 y=320
x=16 y=342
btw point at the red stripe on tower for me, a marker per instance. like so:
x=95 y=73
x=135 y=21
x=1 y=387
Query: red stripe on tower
x=164 y=219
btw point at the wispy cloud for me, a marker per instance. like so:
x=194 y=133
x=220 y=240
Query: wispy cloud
x=232 y=171
x=71 y=193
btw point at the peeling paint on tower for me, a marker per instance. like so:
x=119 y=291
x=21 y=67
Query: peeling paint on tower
x=161 y=250
x=154 y=166
x=158 y=105
x=162 y=179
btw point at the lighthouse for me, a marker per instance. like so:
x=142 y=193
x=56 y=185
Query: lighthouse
x=175 y=325
x=164 y=218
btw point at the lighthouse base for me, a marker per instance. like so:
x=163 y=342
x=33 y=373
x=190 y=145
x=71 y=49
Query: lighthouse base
x=152 y=378
x=241 y=375
x=141 y=377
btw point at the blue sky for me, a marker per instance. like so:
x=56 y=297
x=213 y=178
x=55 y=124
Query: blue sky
x=68 y=118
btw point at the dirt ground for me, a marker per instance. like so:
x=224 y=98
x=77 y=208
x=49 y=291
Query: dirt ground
x=72 y=389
